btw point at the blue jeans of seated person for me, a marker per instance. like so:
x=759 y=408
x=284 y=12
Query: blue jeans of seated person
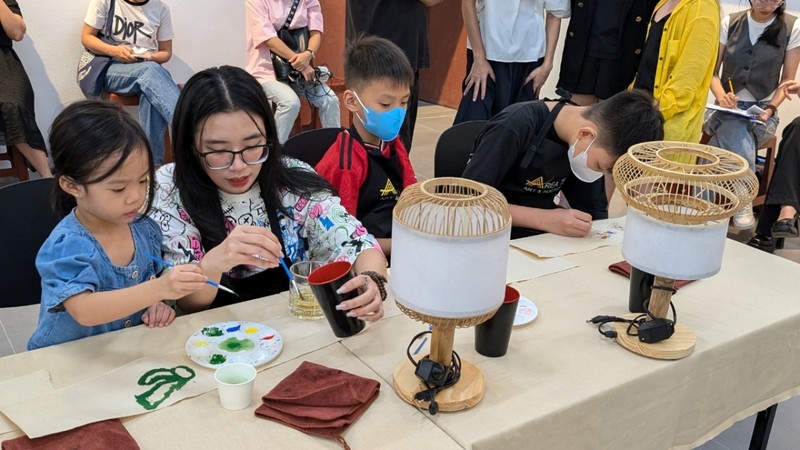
x=158 y=95
x=738 y=134
x=285 y=97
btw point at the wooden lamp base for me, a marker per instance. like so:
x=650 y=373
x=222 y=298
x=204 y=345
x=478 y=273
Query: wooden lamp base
x=466 y=393
x=679 y=345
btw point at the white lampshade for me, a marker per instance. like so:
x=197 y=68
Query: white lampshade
x=447 y=277
x=679 y=252
x=450 y=248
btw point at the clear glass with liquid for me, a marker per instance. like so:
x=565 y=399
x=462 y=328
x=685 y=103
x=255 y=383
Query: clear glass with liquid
x=302 y=302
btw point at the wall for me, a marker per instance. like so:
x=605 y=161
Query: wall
x=206 y=34
x=211 y=33
x=441 y=83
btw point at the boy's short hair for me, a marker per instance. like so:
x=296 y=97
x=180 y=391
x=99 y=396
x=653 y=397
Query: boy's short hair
x=371 y=58
x=625 y=119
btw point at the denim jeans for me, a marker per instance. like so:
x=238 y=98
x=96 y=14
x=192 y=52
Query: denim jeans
x=157 y=93
x=285 y=97
x=738 y=134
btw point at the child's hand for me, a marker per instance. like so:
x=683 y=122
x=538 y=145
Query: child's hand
x=182 y=280
x=568 y=222
x=158 y=315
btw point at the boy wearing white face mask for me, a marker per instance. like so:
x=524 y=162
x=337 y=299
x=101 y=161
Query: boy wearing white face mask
x=368 y=164
x=531 y=151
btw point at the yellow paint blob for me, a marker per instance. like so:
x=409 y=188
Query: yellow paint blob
x=200 y=343
x=251 y=330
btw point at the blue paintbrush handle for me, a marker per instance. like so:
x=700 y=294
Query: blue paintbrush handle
x=212 y=283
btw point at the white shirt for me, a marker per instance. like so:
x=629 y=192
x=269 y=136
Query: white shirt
x=756 y=29
x=136 y=25
x=514 y=30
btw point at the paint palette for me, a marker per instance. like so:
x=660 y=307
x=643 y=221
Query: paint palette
x=234 y=342
x=526 y=312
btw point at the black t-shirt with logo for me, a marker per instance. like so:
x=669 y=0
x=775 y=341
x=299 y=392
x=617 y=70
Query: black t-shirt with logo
x=500 y=150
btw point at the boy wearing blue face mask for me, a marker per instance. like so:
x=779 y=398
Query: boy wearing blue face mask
x=368 y=164
x=532 y=151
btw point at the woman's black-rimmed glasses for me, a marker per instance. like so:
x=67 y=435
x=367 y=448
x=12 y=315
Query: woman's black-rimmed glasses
x=222 y=159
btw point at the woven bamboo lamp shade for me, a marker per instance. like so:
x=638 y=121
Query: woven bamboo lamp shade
x=449 y=260
x=684 y=183
x=680 y=196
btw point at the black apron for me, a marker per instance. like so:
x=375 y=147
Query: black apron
x=262 y=284
x=379 y=193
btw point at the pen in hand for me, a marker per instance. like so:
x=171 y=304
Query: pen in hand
x=212 y=283
x=561 y=201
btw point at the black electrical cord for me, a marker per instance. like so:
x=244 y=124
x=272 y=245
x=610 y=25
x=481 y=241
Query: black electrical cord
x=437 y=379
x=633 y=324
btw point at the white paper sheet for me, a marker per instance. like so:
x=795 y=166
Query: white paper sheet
x=603 y=233
x=138 y=387
x=21 y=389
x=751 y=113
x=525 y=266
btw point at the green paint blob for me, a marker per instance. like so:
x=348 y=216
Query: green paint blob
x=212 y=331
x=234 y=345
x=171 y=379
x=217 y=359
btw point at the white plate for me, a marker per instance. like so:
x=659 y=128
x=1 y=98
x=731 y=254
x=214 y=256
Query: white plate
x=526 y=312
x=234 y=342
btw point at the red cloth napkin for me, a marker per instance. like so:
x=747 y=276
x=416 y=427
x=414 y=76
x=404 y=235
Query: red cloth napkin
x=104 y=435
x=319 y=400
x=624 y=269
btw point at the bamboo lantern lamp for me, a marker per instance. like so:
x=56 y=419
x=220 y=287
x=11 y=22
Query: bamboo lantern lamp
x=450 y=241
x=680 y=196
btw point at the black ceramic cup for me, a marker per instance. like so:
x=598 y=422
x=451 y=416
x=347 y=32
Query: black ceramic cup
x=492 y=336
x=325 y=281
x=641 y=286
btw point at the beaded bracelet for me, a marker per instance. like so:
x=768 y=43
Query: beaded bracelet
x=379 y=280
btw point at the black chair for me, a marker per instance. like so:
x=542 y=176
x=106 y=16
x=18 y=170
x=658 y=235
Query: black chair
x=454 y=147
x=310 y=146
x=27 y=221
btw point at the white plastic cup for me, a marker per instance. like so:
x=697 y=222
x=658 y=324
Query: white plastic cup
x=235 y=385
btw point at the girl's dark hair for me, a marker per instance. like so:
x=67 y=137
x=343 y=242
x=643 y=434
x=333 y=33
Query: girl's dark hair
x=770 y=34
x=87 y=134
x=221 y=90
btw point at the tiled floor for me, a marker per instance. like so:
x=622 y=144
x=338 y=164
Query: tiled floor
x=17 y=324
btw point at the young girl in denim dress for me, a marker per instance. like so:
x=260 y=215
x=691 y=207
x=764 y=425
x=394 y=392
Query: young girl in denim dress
x=96 y=273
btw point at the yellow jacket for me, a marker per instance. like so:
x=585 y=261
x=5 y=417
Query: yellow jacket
x=685 y=67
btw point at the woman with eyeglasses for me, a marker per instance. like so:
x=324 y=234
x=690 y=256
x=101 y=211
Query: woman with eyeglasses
x=233 y=204
x=759 y=48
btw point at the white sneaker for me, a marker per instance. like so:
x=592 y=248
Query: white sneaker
x=744 y=218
